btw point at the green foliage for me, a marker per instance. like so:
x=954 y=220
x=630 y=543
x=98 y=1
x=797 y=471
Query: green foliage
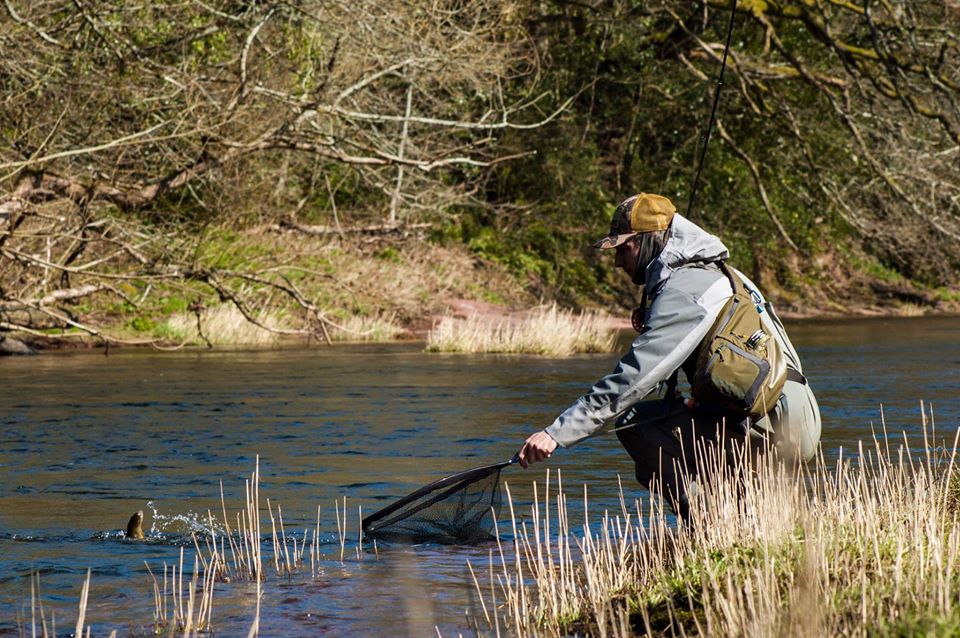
x=875 y=269
x=944 y=293
x=227 y=249
x=167 y=333
x=910 y=626
x=637 y=124
x=486 y=294
x=173 y=304
x=142 y=324
x=558 y=206
x=389 y=254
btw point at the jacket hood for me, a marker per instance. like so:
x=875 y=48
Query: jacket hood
x=687 y=243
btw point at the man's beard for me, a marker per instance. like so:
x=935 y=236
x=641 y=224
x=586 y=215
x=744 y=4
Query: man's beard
x=651 y=245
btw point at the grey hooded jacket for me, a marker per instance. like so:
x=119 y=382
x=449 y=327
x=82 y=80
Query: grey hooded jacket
x=686 y=291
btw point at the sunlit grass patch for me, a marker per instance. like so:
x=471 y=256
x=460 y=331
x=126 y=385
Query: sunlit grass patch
x=224 y=325
x=546 y=331
x=361 y=328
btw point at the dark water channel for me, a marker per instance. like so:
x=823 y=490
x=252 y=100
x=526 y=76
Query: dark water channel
x=85 y=440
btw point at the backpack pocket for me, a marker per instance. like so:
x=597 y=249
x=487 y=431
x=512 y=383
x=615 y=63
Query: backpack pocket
x=735 y=374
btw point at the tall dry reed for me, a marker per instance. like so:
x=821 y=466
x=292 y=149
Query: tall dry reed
x=190 y=610
x=868 y=547
x=362 y=328
x=183 y=603
x=545 y=331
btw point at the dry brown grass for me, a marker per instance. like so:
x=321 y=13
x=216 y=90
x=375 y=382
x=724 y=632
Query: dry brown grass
x=225 y=325
x=868 y=548
x=545 y=331
x=360 y=328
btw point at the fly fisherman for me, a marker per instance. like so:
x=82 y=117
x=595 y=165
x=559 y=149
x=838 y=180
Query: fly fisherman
x=711 y=322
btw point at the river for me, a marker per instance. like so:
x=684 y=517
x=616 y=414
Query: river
x=88 y=439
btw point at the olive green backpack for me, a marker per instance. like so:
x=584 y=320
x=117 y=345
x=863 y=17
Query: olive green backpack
x=741 y=368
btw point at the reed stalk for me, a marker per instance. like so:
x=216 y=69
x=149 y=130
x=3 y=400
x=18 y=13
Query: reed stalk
x=255 y=625
x=341 y=526
x=273 y=536
x=315 y=547
x=224 y=324
x=190 y=611
x=82 y=611
x=36 y=604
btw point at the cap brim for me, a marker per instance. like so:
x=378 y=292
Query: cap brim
x=612 y=241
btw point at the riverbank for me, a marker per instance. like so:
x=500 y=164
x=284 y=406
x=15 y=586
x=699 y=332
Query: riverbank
x=867 y=547
x=400 y=286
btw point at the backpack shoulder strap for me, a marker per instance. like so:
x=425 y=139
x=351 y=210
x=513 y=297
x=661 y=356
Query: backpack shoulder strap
x=735 y=283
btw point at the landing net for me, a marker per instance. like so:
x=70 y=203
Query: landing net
x=458 y=509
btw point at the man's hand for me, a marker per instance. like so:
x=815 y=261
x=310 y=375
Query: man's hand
x=537 y=447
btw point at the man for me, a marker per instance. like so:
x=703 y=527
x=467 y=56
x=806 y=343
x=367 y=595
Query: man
x=678 y=263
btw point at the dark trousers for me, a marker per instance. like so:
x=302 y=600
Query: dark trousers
x=674 y=447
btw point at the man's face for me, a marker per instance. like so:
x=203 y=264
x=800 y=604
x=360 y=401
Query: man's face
x=626 y=256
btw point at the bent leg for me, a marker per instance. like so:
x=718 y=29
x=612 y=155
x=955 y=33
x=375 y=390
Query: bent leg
x=673 y=447
x=648 y=432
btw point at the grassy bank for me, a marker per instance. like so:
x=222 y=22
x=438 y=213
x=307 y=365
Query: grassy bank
x=265 y=286
x=869 y=548
x=273 y=285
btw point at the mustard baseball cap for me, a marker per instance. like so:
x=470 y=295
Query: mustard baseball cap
x=642 y=213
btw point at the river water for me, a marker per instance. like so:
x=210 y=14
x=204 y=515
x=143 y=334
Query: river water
x=87 y=439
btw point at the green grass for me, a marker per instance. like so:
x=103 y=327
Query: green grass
x=875 y=269
x=949 y=295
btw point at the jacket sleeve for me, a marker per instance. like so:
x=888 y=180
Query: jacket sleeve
x=677 y=323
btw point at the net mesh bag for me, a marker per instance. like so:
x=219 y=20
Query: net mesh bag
x=458 y=509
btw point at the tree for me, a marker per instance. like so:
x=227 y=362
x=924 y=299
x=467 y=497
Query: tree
x=127 y=123
x=837 y=132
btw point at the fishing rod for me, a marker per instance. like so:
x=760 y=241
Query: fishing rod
x=713 y=110
x=693 y=195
